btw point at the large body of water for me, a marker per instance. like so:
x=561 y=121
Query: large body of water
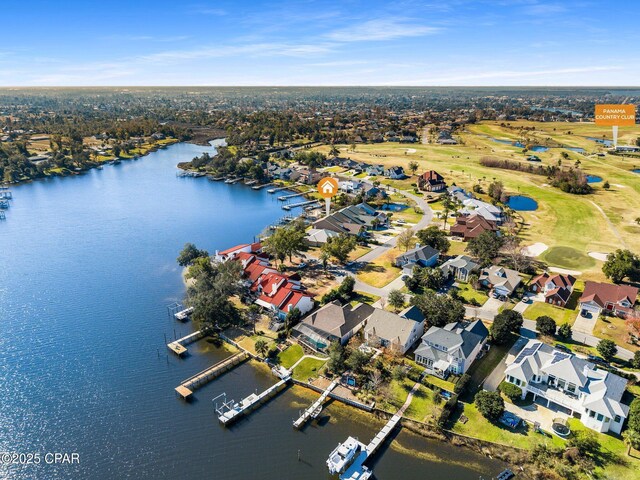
x=87 y=268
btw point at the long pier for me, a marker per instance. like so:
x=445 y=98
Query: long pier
x=277 y=189
x=300 y=204
x=252 y=401
x=258 y=187
x=188 y=386
x=315 y=407
x=179 y=347
x=293 y=195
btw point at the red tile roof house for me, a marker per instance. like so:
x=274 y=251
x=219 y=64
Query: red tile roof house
x=231 y=253
x=431 y=181
x=613 y=299
x=281 y=294
x=469 y=227
x=556 y=288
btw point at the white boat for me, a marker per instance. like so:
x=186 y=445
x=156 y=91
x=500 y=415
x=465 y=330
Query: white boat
x=343 y=455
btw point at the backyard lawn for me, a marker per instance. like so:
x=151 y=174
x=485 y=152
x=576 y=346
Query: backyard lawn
x=307 y=368
x=560 y=315
x=290 y=355
x=381 y=271
x=468 y=293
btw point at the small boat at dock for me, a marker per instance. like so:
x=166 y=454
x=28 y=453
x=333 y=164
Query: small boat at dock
x=343 y=455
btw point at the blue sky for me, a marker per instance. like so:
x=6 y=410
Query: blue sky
x=407 y=42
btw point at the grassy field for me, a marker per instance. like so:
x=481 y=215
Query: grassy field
x=613 y=328
x=307 y=368
x=467 y=292
x=290 y=355
x=382 y=270
x=560 y=315
x=562 y=219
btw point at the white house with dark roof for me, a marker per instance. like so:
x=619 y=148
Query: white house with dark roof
x=452 y=348
x=395 y=173
x=570 y=384
x=396 y=332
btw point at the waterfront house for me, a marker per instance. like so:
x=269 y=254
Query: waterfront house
x=431 y=181
x=353 y=220
x=231 y=253
x=395 y=173
x=473 y=206
x=350 y=186
x=395 y=332
x=332 y=322
x=613 y=299
x=556 y=288
x=318 y=237
x=570 y=384
x=459 y=268
x=421 y=256
x=471 y=226
x=280 y=294
x=452 y=348
x=502 y=280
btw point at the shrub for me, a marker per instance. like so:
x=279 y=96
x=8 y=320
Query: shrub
x=489 y=404
x=511 y=391
x=608 y=349
x=462 y=384
x=635 y=362
x=564 y=331
x=448 y=408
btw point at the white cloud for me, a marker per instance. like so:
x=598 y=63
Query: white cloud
x=381 y=29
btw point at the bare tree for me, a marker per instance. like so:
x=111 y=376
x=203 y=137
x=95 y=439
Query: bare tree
x=405 y=239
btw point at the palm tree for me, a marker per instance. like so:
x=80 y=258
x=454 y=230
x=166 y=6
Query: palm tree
x=261 y=347
x=334 y=152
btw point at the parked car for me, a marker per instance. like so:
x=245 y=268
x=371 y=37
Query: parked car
x=302 y=265
x=563 y=348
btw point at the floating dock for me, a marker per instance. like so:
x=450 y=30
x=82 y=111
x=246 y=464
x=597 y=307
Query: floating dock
x=183 y=315
x=293 y=195
x=314 y=410
x=252 y=401
x=187 y=387
x=250 y=182
x=277 y=189
x=300 y=204
x=258 y=187
x=233 y=181
x=179 y=346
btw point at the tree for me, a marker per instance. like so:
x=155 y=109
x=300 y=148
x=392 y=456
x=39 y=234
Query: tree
x=346 y=287
x=334 y=152
x=546 y=325
x=503 y=324
x=634 y=415
x=429 y=278
x=622 y=264
x=396 y=299
x=434 y=237
x=292 y=318
x=511 y=391
x=405 y=239
x=635 y=361
x=253 y=314
x=496 y=191
x=336 y=358
x=357 y=361
x=340 y=247
x=413 y=167
x=515 y=253
x=489 y=404
x=606 y=185
x=189 y=253
x=607 y=349
x=564 y=331
x=585 y=441
x=286 y=241
x=486 y=246
x=261 y=347
x=439 y=310
x=324 y=258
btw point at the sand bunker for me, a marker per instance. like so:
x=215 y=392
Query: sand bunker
x=535 y=250
x=599 y=256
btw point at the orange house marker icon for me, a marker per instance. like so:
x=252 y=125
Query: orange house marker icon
x=328 y=187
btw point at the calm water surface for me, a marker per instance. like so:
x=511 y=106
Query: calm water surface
x=87 y=268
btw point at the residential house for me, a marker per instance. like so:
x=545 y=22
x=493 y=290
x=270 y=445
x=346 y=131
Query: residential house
x=556 y=288
x=280 y=294
x=395 y=173
x=375 y=170
x=318 y=237
x=491 y=213
x=231 y=253
x=395 y=332
x=350 y=186
x=502 y=280
x=459 y=268
x=353 y=220
x=573 y=385
x=421 y=256
x=431 y=181
x=468 y=227
x=612 y=299
x=331 y=323
x=452 y=348
x=371 y=191
x=281 y=173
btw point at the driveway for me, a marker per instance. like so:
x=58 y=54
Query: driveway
x=494 y=378
x=488 y=311
x=585 y=324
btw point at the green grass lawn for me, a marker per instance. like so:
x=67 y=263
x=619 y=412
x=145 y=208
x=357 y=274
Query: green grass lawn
x=467 y=292
x=560 y=315
x=482 y=367
x=361 y=297
x=307 y=368
x=423 y=408
x=290 y=355
x=568 y=257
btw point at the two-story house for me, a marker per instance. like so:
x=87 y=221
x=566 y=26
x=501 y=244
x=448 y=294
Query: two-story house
x=606 y=297
x=395 y=173
x=452 y=348
x=459 y=267
x=395 y=332
x=502 y=280
x=556 y=287
x=572 y=384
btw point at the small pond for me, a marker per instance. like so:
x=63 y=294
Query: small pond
x=538 y=148
x=520 y=203
x=394 y=207
x=535 y=148
x=606 y=143
x=576 y=149
x=593 y=179
x=637 y=170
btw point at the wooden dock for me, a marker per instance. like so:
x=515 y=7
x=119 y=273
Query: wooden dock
x=183 y=315
x=251 y=402
x=293 y=195
x=187 y=387
x=277 y=189
x=258 y=187
x=315 y=407
x=179 y=347
x=300 y=204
